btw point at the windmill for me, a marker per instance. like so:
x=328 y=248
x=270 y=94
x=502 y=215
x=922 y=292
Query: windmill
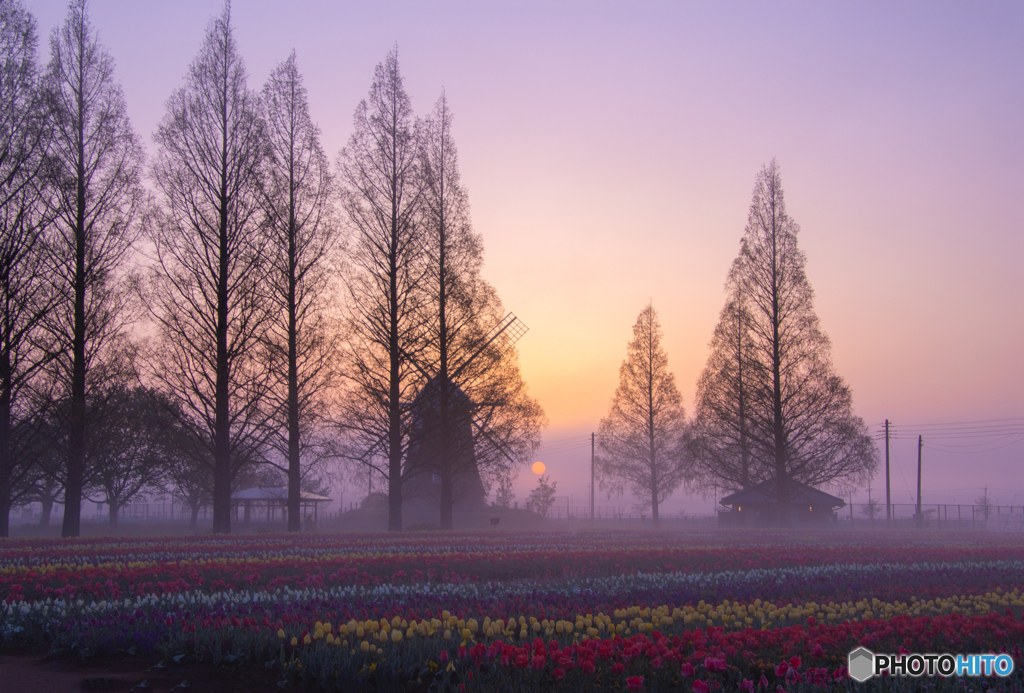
x=445 y=424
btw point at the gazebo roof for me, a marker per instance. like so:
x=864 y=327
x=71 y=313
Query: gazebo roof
x=800 y=494
x=275 y=493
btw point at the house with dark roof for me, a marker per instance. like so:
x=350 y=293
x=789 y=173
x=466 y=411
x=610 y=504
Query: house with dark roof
x=758 y=505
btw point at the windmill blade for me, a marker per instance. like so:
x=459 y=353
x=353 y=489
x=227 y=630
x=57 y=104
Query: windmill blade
x=501 y=448
x=505 y=334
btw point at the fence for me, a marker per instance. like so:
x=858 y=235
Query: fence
x=935 y=516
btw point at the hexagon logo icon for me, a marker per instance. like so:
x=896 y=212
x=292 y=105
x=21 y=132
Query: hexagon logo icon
x=861 y=664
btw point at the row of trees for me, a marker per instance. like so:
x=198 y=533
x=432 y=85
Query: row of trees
x=769 y=404
x=295 y=310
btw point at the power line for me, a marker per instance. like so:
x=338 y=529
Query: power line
x=959 y=450
x=980 y=436
x=1018 y=419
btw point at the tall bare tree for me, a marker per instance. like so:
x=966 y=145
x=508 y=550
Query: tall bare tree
x=722 y=441
x=297 y=194
x=24 y=299
x=97 y=195
x=381 y=191
x=483 y=421
x=802 y=423
x=210 y=295
x=643 y=438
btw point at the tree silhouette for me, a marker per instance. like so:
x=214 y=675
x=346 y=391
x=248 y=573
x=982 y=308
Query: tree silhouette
x=722 y=445
x=543 y=497
x=643 y=438
x=210 y=294
x=482 y=419
x=24 y=298
x=381 y=191
x=128 y=448
x=96 y=162
x=798 y=420
x=297 y=190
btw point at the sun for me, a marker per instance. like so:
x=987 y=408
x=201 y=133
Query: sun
x=538 y=467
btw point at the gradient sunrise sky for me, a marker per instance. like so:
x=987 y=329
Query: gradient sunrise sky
x=610 y=150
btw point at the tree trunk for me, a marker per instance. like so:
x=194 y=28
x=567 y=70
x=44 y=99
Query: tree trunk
x=193 y=520
x=76 y=433
x=394 y=409
x=222 y=434
x=112 y=513
x=44 y=514
x=655 y=517
x=5 y=444
x=294 y=470
x=5 y=509
x=778 y=423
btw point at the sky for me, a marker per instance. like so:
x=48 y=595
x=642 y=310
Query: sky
x=609 y=150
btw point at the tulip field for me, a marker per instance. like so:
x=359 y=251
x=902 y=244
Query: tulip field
x=708 y=612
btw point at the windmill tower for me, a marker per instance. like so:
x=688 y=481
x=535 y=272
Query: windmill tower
x=441 y=464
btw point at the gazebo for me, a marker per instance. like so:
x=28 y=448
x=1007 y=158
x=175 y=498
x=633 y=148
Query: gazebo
x=758 y=505
x=264 y=502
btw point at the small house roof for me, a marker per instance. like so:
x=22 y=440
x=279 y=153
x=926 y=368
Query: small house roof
x=275 y=493
x=800 y=494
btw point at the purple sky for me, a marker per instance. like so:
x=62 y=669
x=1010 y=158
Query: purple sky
x=610 y=151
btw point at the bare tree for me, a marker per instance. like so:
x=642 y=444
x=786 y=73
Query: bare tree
x=506 y=494
x=97 y=165
x=643 y=438
x=40 y=438
x=482 y=419
x=210 y=295
x=128 y=448
x=871 y=510
x=24 y=299
x=381 y=192
x=189 y=461
x=296 y=195
x=801 y=420
x=721 y=441
x=543 y=497
x=983 y=505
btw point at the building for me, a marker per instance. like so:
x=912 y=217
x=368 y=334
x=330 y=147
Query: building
x=442 y=440
x=758 y=506
x=270 y=504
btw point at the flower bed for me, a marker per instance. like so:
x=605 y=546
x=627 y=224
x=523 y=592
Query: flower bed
x=579 y=612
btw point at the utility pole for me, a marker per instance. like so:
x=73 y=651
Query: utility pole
x=920 y=520
x=888 y=498
x=592 y=439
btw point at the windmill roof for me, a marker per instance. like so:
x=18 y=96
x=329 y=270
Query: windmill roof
x=430 y=394
x=765 y=492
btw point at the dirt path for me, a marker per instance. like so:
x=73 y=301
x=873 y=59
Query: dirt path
x=27 y=673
